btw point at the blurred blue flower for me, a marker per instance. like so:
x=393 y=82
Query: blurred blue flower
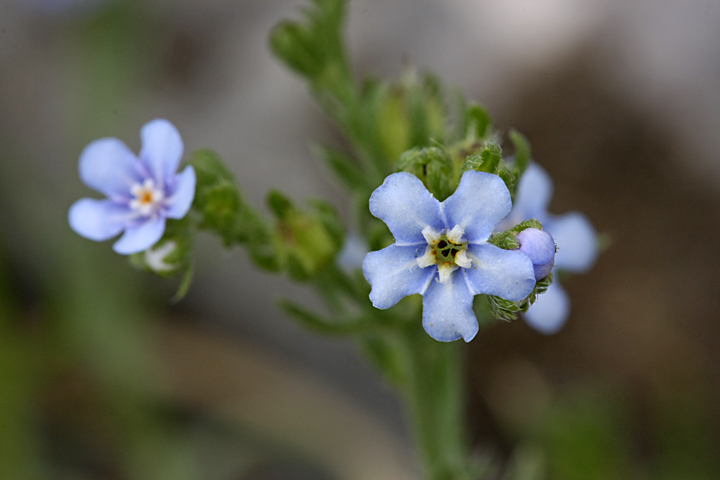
x=142 y=192
x=441 y=251
x=574 y=235
x=352 y=253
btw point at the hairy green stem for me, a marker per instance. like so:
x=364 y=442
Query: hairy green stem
x=435 y=393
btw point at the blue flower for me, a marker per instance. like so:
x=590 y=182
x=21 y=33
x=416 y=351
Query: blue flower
x=441 y=251
x=574 y=235
x=142 y=192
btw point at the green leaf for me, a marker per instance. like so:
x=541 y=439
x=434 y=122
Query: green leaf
x=508 y=310
x=477 y=121
x=184 y=287
x=313 y=47
x=522 y=150
x=280 y=204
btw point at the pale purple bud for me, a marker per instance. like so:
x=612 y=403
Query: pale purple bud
x=540 y=247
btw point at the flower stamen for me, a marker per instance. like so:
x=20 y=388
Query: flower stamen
x=446 y=250
x=148 y=198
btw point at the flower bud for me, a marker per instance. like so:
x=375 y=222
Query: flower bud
x=540 y=247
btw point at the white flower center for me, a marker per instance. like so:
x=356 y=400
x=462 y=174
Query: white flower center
x=447 y=250
x=148 y=198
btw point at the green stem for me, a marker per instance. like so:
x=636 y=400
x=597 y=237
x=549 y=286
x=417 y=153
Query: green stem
x=435 y=392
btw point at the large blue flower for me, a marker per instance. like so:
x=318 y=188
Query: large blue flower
x=142 y=192
x=574 y=235
x=441 y=251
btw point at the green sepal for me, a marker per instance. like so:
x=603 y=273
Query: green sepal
x=433 y=166
x=508 y=310
x=304 y=240
x=511 y=178
x=487 y=161
x=532 y=223
x=477 y=122
x=505 y=240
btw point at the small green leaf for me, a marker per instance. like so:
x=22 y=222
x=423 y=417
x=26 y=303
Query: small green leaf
x=294 y=44
x=477 y=121
x=184 y=287
x=522 y=150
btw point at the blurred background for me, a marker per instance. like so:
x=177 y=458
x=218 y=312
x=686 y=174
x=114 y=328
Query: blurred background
x=101 y=377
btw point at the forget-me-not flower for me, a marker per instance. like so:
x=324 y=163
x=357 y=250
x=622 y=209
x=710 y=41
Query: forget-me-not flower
x=574 y=235
x=142 y=192
x=441 y=251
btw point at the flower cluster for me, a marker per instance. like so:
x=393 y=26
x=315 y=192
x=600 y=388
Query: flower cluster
x=142 y=192
x=575 y=238
x=441 y=251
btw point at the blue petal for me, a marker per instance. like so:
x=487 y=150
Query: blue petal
x=447 y=310
x=494 y=271
x=182 y=197
x=550 y=311
x=108 y=166
x=393 y=273
x=532 y=198
x=534 y=191
x=479 y=203
x=576 y=240
x=141 y=238
x=405 y=205
x=162 y=148
x=97 y=219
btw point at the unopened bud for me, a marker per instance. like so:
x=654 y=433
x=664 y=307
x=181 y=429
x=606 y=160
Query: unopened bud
x=540 y=247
